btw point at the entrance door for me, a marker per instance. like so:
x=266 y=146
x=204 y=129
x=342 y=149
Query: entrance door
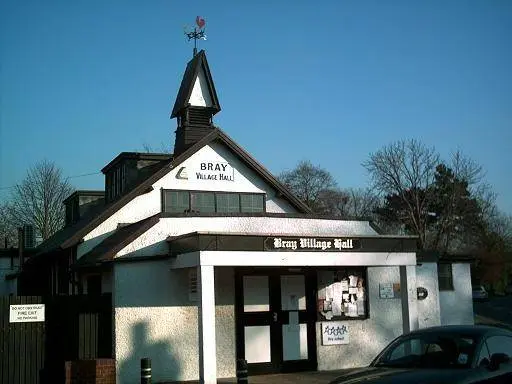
x=276 y=316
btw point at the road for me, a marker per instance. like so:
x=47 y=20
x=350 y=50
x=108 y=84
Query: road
x=497 y=308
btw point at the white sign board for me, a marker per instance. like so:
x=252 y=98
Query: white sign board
x=334 y=332
x=24 y=313
x=389 y=290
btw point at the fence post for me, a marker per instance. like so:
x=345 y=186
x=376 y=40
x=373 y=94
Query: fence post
x=241 y=371
x=145 y=371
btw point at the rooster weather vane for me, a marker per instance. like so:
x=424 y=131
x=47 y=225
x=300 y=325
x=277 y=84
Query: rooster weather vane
x=198 y=33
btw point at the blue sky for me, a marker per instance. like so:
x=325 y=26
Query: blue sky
x=328 y=81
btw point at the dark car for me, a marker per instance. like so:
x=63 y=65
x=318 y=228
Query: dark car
x=452 y=354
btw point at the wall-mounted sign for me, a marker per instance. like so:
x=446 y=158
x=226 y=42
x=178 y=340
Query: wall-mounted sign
x=334 y=332
x=422 y=293
x=208 y=171
x=25 y=313
x=311 y=244
x=389 y=290
x=213 y=170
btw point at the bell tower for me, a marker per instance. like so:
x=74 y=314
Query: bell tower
x=197 y=101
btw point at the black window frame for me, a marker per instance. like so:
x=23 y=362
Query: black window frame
x=215 y=193
x=444 y=280
x=163 y=197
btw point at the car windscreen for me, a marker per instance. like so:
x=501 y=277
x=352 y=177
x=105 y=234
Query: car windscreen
x=427 y=350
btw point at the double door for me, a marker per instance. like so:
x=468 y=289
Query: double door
x=275 y=317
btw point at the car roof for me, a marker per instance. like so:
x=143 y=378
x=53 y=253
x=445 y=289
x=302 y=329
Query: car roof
x=473 y=330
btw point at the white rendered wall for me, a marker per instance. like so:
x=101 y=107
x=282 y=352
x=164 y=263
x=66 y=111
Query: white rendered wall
x=146 y=205
x=457 y=305
x=367 y=337
x=429 y=312
x=154 y=318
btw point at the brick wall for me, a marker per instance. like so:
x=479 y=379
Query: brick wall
x=99 y=371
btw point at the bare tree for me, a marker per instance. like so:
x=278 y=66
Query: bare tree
x=354 y=203
x=7 y=229
x=405 y=169
x=38 y=199
x=333 y=202
x=164 y=148
x=307 y=181
x=362 y=203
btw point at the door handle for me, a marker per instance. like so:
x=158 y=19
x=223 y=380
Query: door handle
x=274 y=317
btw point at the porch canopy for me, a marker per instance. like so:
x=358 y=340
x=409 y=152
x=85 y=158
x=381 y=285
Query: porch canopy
x=206 y=250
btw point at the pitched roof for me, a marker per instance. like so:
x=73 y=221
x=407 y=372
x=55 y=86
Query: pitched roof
x=194 y=66
x=71 y=235
x=108 y=248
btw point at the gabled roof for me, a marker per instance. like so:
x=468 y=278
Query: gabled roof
x=70 y=236
x=108 y=248
x=194 y=66
x=218 y=135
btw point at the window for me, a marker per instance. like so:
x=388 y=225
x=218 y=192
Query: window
x=228 y=202
x=251 y=203
x=430 y=350
x=202 y=201
x=445 y=277
x=499 y=344
x=210 y=202
x=176 y=201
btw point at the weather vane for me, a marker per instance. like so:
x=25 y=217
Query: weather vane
x=198 y=33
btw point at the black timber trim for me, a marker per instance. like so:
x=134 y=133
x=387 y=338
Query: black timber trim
x=425 y=256
x=454 y=259
x=137 y=259
x=197 y=63
x=195 y=241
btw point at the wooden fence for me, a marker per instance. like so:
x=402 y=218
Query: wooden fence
x=75 y=327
